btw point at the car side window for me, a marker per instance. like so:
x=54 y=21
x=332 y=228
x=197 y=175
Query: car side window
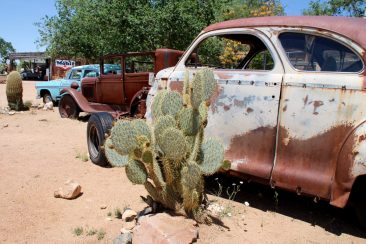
x=112 y=66
x=316 y=53
x=261 y=61
x=231 y=51
x=76 y=74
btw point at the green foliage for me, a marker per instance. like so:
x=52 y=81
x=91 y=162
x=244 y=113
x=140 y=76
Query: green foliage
x=354 y=8
x=91 y=28
x=78 y=231
x=14 y=91
x=5 y=49
x=171 y=164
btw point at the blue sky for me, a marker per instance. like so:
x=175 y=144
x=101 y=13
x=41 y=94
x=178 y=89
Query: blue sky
x=18 y=18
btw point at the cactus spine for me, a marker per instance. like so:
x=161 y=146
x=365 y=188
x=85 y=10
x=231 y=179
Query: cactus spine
x=14 y=91
x=170 y=157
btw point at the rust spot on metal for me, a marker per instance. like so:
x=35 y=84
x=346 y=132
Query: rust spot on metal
x=284 y=108
x=256 y=151
x=249 y=110
x=176 y=86
x=316 y=105
x=238 y=103
x=362 y=138
x=311 y=163
x=306 y=100
x=227 y=107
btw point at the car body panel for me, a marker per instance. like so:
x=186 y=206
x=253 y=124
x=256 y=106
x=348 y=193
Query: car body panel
x=299 y=130
x=54 y=87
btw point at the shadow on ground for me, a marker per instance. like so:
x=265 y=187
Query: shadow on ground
x=332 y=219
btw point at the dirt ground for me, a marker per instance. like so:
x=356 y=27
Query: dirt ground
x=38 y=153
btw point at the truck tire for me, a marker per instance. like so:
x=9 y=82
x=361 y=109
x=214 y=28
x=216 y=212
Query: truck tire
x=47 y=97
x=68 y=107
x=99 y=125
x=360 y=208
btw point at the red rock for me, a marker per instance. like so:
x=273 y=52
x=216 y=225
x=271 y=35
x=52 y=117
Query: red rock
x=70 y=190
x=165 y=229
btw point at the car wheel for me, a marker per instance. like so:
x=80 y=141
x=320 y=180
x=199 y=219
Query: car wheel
x=99 y=125
x=360 y=208
x=47 y=98
x=68 y=107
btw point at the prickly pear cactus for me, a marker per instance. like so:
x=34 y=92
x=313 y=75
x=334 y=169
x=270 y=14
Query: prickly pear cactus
x=171 y=156
x=14 y=91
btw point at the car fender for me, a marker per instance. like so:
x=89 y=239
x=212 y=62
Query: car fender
x=351 y=163
x=80 y=100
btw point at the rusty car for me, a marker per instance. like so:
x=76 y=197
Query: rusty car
x=290 y=102
x=118 y=89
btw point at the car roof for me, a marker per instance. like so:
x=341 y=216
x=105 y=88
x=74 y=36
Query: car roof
x=353 y=28
x=88 y=66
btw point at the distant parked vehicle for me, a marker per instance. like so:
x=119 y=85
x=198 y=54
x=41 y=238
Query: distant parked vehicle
x=50 y=90
x=29 y=75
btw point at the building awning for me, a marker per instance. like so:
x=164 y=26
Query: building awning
x=24 y=56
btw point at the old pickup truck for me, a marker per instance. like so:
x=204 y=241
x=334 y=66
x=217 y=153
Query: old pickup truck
x=120 y=87
x=290 y=106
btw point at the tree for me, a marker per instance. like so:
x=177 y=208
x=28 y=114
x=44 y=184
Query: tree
x=336 y=7
x=5 y=49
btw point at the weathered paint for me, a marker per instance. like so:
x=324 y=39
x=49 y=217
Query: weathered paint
x=310 y=141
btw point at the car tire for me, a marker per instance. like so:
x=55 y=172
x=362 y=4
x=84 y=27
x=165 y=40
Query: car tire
x=360 y=208
x=68 y=107
x=47 y=98
x=99 y=125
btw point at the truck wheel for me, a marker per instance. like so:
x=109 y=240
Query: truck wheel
x=99 y=124
x=68 y=107
x=360 y=208
x=47 y=98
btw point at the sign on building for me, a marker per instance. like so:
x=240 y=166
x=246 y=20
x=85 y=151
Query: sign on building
x=64 y=64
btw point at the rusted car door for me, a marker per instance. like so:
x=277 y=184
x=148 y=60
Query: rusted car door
x=244 y=110
x=321 y=102
x=110 y=85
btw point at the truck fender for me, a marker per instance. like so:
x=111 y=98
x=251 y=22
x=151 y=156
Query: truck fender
x=351 y=163
x=80 y=100
x=139 y=96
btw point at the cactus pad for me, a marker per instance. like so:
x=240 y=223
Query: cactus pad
x=208 y=83
x=161 y=125
x=173 y=144
x=189 y=121
x=156 y=105
x=213 y=156
x=171 y=103
x=142 y=128
x=136 y=172
x=123 y=135
x=114 y=158
x=196 y=94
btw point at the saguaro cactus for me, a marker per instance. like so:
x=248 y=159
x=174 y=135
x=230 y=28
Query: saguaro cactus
x=171 y=156
x=14 y=91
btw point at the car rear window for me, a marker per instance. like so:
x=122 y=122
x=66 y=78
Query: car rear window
x=315 y=53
